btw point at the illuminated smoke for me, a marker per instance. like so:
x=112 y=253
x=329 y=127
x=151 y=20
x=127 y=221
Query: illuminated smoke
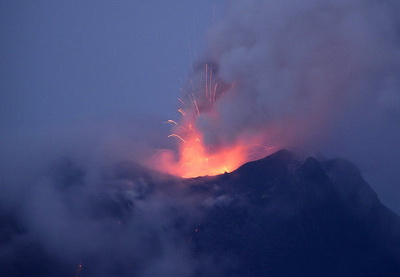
x=286 y=74
x=287 y=70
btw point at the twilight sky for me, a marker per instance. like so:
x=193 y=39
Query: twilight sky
x=90 y=75
x=66 y=60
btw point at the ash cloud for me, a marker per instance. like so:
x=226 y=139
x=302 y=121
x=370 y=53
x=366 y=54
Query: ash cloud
x=61 y=209
x=310 y=75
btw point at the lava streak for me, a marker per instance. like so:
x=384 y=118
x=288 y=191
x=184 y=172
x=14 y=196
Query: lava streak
x=194 y=158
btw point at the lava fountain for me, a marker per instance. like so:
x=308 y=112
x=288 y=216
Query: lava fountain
x=195 y=158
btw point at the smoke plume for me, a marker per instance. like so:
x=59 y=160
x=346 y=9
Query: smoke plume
x=316 y=76
x=294 y=67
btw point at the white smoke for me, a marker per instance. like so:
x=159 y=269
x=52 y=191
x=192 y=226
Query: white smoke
x=316 y=75
x=302 y=63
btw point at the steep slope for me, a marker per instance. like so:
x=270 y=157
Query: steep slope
x=283 y=217
x=278 y=216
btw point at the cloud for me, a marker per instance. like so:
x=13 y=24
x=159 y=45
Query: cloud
x=313 y=75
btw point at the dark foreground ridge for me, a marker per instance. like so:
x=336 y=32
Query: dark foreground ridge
x=278 y=216
x=283 y=217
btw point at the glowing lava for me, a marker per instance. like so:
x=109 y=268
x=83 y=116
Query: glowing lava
x=194 y=158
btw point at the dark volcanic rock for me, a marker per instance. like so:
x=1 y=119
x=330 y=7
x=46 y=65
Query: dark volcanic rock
x=288 y=217
x=278 y=216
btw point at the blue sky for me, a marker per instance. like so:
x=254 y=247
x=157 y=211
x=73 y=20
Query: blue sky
x=62 y=61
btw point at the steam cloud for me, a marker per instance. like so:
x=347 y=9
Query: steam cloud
x=297 y=66
x=311 y=74
x=316 y=76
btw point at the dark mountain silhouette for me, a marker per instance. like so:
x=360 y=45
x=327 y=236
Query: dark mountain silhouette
x=278 y=216
x=287 y=217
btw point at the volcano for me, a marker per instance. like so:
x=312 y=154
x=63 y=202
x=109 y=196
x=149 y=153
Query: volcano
x=283 y=217
x=278 y=216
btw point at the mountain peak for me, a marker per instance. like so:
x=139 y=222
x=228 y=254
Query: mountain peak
x=277 y=216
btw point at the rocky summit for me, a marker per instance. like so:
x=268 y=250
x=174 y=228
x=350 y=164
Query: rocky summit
x=278 y=216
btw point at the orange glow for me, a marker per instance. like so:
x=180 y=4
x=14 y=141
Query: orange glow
x=195 y=161
x=194 y=158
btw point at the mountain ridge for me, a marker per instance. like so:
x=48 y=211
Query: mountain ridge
x=277 y=216
x=329 y=200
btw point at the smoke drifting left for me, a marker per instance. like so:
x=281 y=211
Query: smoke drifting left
x=70 y=205
x=315 y=76
x=310 y=75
